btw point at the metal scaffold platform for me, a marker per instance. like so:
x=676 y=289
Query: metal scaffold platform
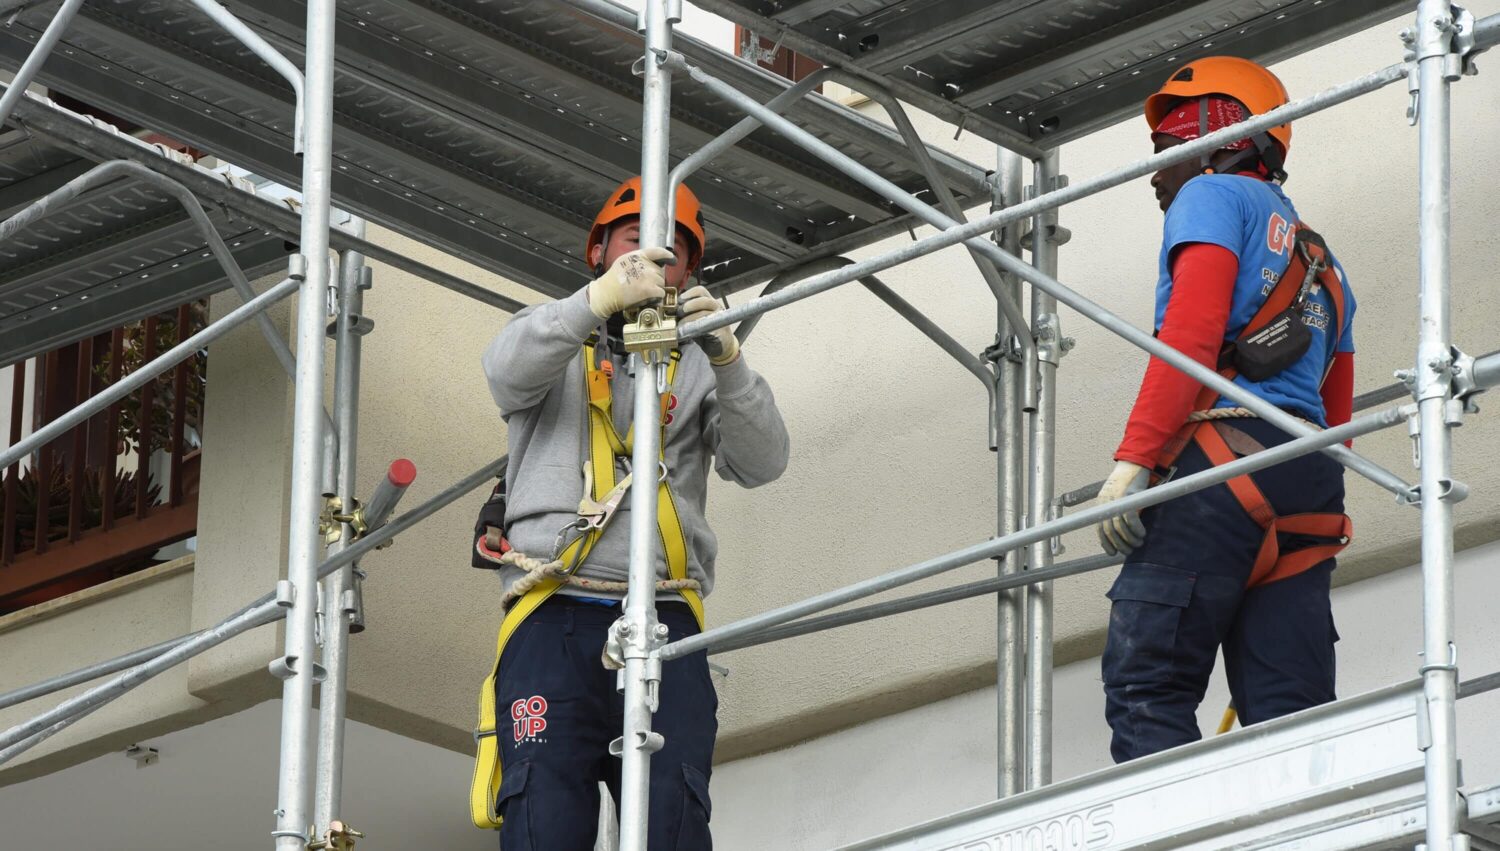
x=491 y=128
x=113 y=256
x=1038 y=72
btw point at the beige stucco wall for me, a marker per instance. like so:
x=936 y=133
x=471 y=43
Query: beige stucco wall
x=890 y=463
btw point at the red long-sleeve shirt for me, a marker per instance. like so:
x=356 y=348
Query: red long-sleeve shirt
x=1196 y=318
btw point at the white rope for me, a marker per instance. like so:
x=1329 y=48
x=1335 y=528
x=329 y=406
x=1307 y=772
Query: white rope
x=537 y=571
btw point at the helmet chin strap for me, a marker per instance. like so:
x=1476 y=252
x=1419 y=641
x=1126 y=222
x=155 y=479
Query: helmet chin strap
x=1263 y=146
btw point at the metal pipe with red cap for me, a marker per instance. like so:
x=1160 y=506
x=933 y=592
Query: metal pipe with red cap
x=398 y=478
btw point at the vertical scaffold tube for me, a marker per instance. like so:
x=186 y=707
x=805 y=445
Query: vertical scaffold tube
x=294 y=796
x=1010 y=627
x=637 y=632
x=1045 y=324
x=339 y=585
x=1437 y=65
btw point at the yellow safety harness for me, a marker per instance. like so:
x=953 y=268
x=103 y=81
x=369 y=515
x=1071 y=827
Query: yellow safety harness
x=602 y=496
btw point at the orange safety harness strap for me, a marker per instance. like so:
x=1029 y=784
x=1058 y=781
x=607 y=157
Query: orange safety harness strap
x=1271 y=564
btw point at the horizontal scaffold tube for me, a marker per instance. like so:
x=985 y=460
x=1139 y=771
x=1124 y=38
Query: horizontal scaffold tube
x=147 y=372
x=1046 y=201
x=755 y=624
x=886 y=608
x=1089 y=309
x=105 y=692
x=361 y=548
x=1362 y=402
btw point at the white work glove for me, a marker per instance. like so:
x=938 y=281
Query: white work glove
x=1119 y=535
x=633 y=280
x=720 y=345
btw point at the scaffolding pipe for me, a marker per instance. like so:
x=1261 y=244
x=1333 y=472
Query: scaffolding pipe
x=960 y=233
x=398 y=477
x=85 y=674
x=1048 y=284
x=1437 y=66
x=638 y=633
x=364 y=546
x=1010 y=604
x=744 y=127
x=77 y=134
x=755 y=624
x=37 y=57
x=1047 y=325
x=27 y=744
x=146 y=372
x=298 y=667
x=1362 y=402
x=339 y=594
x=786 y=279
x=268 y=54
x=104 y=173
x=931 y=330
x=925 y=600
x=1008 y=302
x=1009 y=305
x=1486 y=370
x=105 y=692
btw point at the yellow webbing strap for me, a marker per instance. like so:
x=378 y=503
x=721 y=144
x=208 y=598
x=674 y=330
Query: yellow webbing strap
x=604 y=446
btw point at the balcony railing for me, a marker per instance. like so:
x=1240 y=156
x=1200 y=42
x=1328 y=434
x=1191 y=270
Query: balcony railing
x=103 y=499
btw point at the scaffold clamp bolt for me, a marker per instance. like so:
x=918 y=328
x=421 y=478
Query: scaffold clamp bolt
x=338 y=837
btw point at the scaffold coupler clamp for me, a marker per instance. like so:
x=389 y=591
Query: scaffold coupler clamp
x=333 y=518
x=338 y=837
x=1465 y=385
x=1051 y=345
x=653 y=334
x=1450 y=36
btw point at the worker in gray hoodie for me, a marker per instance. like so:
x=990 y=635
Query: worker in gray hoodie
x=556 y=372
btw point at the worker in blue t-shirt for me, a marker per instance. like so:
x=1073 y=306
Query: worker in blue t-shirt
x=1228 y=566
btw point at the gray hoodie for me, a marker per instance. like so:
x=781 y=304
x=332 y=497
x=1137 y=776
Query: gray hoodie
x=724 y=415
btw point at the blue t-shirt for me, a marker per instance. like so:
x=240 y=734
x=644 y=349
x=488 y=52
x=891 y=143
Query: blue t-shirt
x=1256 y=221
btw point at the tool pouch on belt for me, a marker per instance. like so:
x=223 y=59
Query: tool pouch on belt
x=489 y=531
x=1282 y=340
x=1274 y=346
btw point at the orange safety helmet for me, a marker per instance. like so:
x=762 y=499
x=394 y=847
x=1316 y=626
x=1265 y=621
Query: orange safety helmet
x=626 y=201
x=1250 y=83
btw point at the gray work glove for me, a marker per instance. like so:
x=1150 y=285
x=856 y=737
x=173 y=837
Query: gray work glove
x=1121 y=534
x=720 y=345
x=635 y=279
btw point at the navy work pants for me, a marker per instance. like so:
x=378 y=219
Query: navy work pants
x=564 y=712
x=1181 y=596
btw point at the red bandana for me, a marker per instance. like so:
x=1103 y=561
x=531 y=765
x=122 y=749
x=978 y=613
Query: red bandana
x=1182 y=122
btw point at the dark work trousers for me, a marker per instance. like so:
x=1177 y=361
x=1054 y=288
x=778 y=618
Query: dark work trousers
x=1181 y=596
x=564 y=712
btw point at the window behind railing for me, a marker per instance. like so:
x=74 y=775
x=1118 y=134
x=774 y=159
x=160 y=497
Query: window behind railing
x=778 y=60
x=108 y=497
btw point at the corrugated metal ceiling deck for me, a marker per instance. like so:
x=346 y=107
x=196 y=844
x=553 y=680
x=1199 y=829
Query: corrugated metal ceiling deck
x=1043 y=71
x=113 y=255
x=491 y=129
